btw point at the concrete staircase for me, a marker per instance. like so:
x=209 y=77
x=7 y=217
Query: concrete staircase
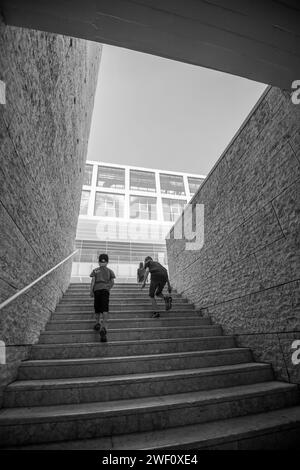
x=167 y=383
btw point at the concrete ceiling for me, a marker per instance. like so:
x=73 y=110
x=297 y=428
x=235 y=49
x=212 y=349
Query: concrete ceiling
x=256 y=39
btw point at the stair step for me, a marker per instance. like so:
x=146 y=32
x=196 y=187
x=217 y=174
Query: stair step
x=128 y=334
x=171 y=382
x=118 y=285
x=126 y=348
x=91 y=389
x=272 y=430
x=81 y=421
x=129 y=297
x=120 y=298
x=82 y=314
x=127 y=323
x=61 y=368
x=113 y=307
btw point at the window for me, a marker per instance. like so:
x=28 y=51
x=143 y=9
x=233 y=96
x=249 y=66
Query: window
x=84 y=203
x=110 y=177
x=142 y=180
x=172 y=208
x=194 y=184
x=109 y=205
x=172 y=184
x=88 y=172
x=142 y=207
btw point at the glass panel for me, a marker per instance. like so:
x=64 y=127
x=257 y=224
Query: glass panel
x=172 y=208
x=84 y=203
x=110 y=177
x=88 y=172
x=194 y=184
x=142 y=207
x=109 y=205
x=142 y=180
x=172 y=184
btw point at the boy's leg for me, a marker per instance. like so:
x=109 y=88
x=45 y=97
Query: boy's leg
x=167 y=298
x=154 y=304
x=97 y=311
x=97 y=325
x=104 y=319
x=152 y=290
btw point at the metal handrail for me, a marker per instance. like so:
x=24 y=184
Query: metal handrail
x=17 y=294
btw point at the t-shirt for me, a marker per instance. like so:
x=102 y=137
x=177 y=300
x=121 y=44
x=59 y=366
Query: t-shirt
x=156 y=269
x=103 y=275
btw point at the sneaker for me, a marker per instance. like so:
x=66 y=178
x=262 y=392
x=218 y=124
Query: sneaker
x=97 y=327
x=155 y=315
x=103 y=337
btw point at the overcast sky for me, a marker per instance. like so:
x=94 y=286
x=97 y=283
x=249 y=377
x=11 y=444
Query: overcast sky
x=159 y=113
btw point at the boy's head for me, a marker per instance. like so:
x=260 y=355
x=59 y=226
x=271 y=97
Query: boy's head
x=148 y=258
x=103 y=259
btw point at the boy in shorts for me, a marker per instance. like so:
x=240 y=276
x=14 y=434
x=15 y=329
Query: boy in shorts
x=102 y=282
x=159 y=278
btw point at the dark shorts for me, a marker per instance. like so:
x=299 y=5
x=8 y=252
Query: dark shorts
x=156 y=285
x=101 y=301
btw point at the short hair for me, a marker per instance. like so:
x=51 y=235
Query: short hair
x=148 y=258
x=103 y=258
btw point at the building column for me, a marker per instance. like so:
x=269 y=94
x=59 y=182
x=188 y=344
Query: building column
x=127 y=198
x=187 y=188
x=160 y=215
x=91 y=207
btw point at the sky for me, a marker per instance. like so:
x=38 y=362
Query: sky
x=159 y=113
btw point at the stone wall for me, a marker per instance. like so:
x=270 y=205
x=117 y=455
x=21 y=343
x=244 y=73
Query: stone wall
x=247 y=275
x=44 y=128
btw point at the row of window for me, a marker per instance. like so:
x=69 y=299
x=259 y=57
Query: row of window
x=141 y=207
x=111 y=177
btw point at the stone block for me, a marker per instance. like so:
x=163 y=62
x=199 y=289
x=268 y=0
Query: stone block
x=44 y=129
x=295 y=144
x=248 y=134
x=279 y=262
x=287 y=208
x=266 y=348
x=259 y=230
x=269 y=310
x=275 y=176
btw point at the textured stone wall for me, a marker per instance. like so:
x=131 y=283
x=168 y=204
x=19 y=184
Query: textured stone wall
x=246 y=276
x=44 y=128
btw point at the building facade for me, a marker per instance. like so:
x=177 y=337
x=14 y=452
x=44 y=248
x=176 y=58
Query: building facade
x=127 y=212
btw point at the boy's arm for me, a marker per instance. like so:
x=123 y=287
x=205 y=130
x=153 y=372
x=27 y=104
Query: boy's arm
x=112 y=279
x=145 y=278
x=92 y=287
x=169 y=287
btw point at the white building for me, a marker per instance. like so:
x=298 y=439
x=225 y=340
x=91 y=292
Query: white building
x=126 y=212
